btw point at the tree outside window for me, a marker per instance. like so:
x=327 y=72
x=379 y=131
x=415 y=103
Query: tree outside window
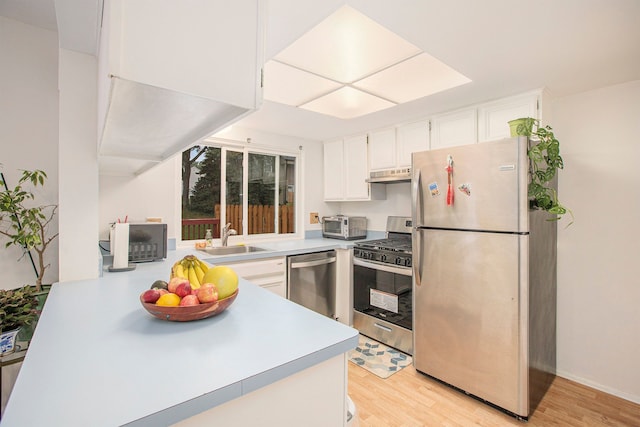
x=269 y=183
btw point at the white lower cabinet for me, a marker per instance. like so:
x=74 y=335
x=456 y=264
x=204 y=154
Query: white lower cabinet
x=269 y=273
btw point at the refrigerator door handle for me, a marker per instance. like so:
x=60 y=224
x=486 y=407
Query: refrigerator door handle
x=416 y=199
x=417 y=266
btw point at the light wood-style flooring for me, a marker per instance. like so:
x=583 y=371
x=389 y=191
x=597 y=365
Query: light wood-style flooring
x=409 y=398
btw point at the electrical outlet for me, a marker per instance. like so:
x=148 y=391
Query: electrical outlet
x=313 y=218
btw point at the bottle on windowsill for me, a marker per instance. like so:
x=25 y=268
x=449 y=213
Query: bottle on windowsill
x=208 y=239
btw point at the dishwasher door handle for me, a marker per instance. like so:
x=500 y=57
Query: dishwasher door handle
x=313 y=263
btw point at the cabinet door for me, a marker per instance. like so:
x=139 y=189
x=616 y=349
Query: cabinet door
x=411 y=138
x=494 y=117
x=269 y=273
x=356 y=169
x=333 y=170
x=453 y=129
x=382 y=149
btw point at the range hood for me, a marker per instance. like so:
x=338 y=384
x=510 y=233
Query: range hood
x=146 y=125
x=389 y=176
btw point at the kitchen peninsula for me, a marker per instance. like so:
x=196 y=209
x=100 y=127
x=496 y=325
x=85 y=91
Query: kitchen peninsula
x=98 y=358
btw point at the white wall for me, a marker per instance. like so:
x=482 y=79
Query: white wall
x=598 y=284
x=397 y=203
x=78 y=167
x=151 y=194
x=28 y=129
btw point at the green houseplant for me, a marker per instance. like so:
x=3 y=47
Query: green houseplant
x=18 y=309
x=544 y=162
x=25 y=223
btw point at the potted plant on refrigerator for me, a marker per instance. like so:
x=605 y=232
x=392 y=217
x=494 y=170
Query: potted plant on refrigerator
x=26 y=225
x=544 y=162
x=18 y=308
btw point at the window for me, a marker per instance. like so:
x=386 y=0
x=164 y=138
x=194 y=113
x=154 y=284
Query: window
x=211 y=175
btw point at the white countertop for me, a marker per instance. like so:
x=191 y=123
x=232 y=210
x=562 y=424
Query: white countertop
x=98 y=358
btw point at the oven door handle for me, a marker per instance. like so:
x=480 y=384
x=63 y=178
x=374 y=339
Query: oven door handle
x=383 y=267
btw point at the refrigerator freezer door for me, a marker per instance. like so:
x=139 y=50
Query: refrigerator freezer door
x=489 y=181
x=470 y=314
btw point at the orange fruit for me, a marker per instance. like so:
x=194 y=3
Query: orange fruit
x=169 y=300
x=225 y=279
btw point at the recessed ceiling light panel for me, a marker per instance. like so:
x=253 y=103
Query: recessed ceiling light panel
x=288 y=85
x=347 y=46
x=348 y=66
x=347 y=103
x=415 y=78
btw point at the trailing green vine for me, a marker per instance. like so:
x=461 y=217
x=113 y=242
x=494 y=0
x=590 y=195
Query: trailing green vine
x=544 y=162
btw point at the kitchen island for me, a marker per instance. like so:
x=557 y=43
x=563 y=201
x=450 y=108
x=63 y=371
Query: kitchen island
x=98 y=358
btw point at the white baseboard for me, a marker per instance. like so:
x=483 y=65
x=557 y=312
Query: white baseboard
x=597 y=386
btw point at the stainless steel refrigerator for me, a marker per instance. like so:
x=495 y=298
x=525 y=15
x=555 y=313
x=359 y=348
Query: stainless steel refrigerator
x=484 y=275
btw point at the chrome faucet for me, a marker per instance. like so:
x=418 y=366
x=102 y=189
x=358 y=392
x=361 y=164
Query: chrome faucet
x=226 y=232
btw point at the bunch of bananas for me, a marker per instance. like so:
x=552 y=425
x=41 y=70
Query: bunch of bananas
x=190 y=268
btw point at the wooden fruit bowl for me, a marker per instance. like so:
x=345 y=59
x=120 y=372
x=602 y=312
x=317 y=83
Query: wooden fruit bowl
x=189 y=313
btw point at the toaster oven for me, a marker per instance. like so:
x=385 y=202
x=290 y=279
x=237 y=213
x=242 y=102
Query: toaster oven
x=344 y=227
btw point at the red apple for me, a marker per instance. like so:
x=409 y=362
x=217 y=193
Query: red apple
x=173 y=283
x=151 y=296
x=207 y=292
x=189 y=300
x=183 y=289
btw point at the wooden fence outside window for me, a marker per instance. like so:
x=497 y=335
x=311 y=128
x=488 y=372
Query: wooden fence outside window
x=261 y=220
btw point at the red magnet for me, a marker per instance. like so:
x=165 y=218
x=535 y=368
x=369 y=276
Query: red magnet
x=449 y=170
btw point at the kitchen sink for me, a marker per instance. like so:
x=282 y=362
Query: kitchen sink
x=231 y=250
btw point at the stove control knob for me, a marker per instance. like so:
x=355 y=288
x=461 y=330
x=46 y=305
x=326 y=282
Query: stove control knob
x=408 y=262
x=398 y=261
x=383 y=258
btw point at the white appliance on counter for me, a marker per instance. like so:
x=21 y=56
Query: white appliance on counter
x=484 y=275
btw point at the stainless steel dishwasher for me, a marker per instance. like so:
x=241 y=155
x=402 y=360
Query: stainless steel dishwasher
x=311 y=280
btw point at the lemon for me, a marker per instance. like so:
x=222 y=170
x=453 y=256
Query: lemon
x=225 y=279
x=169 y=300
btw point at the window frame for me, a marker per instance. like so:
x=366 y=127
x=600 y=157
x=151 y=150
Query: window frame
x=246 y=148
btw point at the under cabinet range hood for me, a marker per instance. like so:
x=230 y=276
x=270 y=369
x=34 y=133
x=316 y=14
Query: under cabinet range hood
x=145 y=125
x=390 y=176
x=169 y=82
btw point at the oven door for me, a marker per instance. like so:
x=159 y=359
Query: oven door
x=382 y=303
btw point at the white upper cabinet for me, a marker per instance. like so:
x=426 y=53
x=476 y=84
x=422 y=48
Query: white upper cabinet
x=455 y=128
x=357 y=170
x=346 y=170
x=382 y=149
x=333 y=170
x=494 y=117
x=411 y=138
x=172 y=73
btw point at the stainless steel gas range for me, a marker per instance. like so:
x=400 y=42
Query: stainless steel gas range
x=382 y=297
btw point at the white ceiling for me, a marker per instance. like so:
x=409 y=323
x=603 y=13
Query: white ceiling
x=504 y=46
